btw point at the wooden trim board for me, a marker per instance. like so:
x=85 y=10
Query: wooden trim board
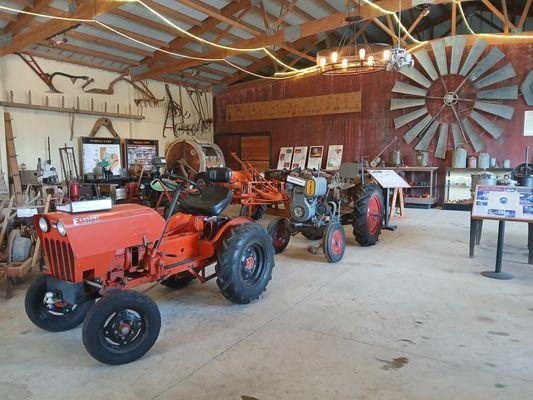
x=297 y=107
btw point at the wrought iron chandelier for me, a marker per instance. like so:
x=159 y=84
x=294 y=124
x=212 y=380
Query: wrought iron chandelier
x=352 y=58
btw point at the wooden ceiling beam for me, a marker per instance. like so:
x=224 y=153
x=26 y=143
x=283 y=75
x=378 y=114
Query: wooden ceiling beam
x=172 y=13
x=49 y=28
x=70 y=60
x=24 y=19
x=498 y=14
x=524 y=15
x=5 y=16
x=143 y=38
x=84 y=37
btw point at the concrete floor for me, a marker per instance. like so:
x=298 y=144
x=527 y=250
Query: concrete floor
x=409 y=318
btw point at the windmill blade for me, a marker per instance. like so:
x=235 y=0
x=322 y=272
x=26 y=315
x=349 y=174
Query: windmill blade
x=458 y=139
x=505 y=72
x=501 y=110
x=424 y=143
x=477 y=143
x=425 y=61
x=397 y=104
x=503 y=93
x=405 y=88
x=476 y=50
x=415 y=75
x=442 y=142
x=490 y=126
x=415 y=130
x=406 y=118
x=458 y=47
x=439 y=50
x=495 y=55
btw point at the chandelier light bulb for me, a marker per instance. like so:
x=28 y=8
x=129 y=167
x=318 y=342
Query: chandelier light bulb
x=370 y=60
x=386 y=55
x=323 y=61
x=344 y=63
x=334 y=57
x=362 y=53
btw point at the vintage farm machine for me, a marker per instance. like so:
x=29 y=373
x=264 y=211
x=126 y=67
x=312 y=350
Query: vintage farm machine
x=105 y=254
x=253 y=191
x=322 y=203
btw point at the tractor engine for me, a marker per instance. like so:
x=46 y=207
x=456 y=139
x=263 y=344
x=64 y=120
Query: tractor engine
x=308 y=200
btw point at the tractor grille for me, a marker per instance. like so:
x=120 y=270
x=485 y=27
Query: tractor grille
x=60 y=259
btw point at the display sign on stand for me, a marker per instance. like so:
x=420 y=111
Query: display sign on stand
x=285 y=157
x=140 y=152
x=315 y=157
x=501 y=203
x=101 y=152
x=300 y=157
x=334 y=157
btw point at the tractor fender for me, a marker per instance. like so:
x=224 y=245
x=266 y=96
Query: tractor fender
x=234 y=222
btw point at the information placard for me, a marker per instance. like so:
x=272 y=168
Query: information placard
x=334 y=157
x=388 y=178
x=102 y=153
x=285 y=157
x=315 y=157
x=509 y=203
x=300 y=157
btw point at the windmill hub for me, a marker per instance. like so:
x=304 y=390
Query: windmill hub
x=451 y=99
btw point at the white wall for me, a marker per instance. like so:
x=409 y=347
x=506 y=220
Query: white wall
x=31 y=128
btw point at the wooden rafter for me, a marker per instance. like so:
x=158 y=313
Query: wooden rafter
x=23 y=19
x=498 y=14
x=506 y=17
x=524 y=15
x=416 y=22
x=454 y=19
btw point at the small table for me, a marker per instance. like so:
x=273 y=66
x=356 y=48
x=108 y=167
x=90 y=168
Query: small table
x=502 y=204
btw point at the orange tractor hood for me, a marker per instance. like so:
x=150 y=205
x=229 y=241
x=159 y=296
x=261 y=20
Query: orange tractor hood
x=100 y=232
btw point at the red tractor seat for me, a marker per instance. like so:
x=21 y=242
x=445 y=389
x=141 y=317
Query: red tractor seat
x=211 y=201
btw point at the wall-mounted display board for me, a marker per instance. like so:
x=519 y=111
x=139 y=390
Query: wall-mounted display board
x=140 y=152
x=297 y=107
x=334 y=157
x=315 y=157
x=101 y=152
x=285 y=157
x=528 y=123
x=509 y=203
x=300 y=157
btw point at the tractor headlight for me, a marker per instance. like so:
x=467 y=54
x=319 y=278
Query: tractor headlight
x=298 y=212
x=44 y=225
x=61 y=229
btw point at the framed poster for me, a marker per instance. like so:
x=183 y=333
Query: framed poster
x=510 y=203
x=528 y=123
x=388 y=178
x=299 y=157
x=285 y=157
x=334 y=157
x=315 y=157
x=140 y=152
x=101 y=152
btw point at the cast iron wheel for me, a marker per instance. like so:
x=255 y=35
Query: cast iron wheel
x=245 y=260
x=279 y=232
x=121 y=327
x=334 y=242
x=368 y=214
x=56 y=317
x=178 y=281
x=257 y=212
x=13 y=236
x=313 y=233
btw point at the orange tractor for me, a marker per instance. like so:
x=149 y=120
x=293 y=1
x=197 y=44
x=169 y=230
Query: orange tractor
x=252 y=190
x=105 y=254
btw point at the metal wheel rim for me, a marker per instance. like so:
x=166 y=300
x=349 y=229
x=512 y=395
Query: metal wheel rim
x=373 y=218
x=123 y=330
x=252 y=264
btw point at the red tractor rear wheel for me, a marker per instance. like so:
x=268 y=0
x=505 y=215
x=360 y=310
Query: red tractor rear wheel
x=368 y=214
x=245 y=260
x=279 y=232
x=121 y=327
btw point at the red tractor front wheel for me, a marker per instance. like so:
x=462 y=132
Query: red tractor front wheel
x=334 y=242
x=278 y=230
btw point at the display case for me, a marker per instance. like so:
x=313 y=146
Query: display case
x=458 y=181
x=423 y=181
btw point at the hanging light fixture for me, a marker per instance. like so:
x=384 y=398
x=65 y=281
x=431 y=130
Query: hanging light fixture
x=351 y=57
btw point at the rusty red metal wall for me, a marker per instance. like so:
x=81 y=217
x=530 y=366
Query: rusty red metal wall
x=367 y=132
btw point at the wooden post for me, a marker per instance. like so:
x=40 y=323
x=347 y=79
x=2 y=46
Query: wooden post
x=12 y=160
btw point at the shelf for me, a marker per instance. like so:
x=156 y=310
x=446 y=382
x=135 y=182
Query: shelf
x=420 y=200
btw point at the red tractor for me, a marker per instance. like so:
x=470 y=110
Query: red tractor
x=103 y=255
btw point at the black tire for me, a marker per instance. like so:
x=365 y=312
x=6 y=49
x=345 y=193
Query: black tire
x=368 y=214
x=313 y=233
x=135 y=314
x=257 y=212
x=334 y=242
x=245 y=260
x=178 y=281
x=279 y=232
x=57 y=318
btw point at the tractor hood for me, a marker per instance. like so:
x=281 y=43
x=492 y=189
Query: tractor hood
x=100 y=232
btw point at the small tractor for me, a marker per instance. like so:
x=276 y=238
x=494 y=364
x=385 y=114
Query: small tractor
x=322 y=203
x=252 y=190
x=103 y=255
